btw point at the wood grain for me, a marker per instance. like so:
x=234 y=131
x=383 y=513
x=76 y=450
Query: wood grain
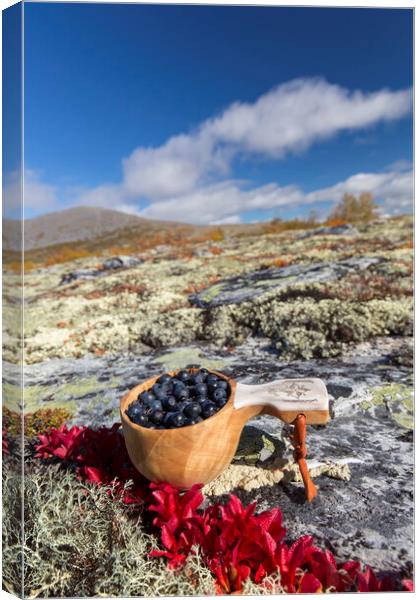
x=192 y=454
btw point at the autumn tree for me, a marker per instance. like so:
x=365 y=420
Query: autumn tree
x=354 y=210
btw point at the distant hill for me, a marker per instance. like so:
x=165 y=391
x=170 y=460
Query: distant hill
x=75 y=224
x=87 y=231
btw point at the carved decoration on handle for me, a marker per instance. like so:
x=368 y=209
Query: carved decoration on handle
x=284 y=394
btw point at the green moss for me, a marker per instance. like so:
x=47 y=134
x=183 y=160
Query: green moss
x=398 y=399
x=212 y=292
x=41 y=421
x=187 y=356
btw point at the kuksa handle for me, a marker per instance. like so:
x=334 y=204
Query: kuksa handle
x=295 y=401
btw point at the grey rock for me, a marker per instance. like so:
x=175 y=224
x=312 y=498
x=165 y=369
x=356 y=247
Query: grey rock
x=121 y=261
x=338 y=230
x=235 y=290
x=203 y=253
x=117 y=262
x=369 y=517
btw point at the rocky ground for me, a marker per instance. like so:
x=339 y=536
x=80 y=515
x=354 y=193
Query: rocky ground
x=318 y=304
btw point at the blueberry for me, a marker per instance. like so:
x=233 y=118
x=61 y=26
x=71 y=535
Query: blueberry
x=169 y=403
x=164 y=379
x=146 y=397
x=200 y=389
x=218 y=394
x=134 y=408
x=204 y=373
x=192 y=410
x=208 y=409
x=166 y=419
x=147 y=410
x=211 y=378
x=156 y=389
x=161 y=394
x=183 y=376
x=222 y=384
x=155 y=405
x=177 y=386
x=167 y=387
x=211 y=385
x=176 y=419
x=197 y=378
x=181 y=405
x=156 y=416
x=135 y=413
x=181 y=394
x=221 y=402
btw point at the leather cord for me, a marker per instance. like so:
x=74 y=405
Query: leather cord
x=298 y=439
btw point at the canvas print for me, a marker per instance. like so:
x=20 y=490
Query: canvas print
x=207 y=300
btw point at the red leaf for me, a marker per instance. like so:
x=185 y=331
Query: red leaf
x=235 y=542
x=5 y=443
x=408 y=585
x=309 y=584
x=168 y=539
x=352 y=567
x=93 y=474
x=260 y=574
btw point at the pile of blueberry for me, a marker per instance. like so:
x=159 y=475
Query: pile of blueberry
x=179 y=400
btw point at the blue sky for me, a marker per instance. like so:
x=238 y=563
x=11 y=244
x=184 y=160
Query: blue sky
x=210 y=114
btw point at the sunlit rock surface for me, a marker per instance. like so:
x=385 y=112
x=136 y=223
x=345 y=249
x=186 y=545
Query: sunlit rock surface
x=337 y=307
x=252 y=285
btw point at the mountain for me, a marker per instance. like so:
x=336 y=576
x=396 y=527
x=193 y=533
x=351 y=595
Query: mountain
x=76 y=224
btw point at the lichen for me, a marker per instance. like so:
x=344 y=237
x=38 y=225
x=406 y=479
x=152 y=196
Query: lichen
x=399 y=401
x=247 y=477
x=88 y=316
x=81 y=541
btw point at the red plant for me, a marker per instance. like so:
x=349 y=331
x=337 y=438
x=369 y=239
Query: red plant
x=178 y=521
x=408 y=585
x=98 y=456
x=238 y=544
x=59 y=442
x=4 y=442
x=235 y=542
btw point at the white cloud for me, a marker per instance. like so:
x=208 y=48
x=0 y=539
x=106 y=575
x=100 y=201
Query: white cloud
x=102 y=195
x=222 y=203
x=298 y=113
x=38 y=195
x=230 y=220
x=289 y=118
x=394 y=188
x=188 y=178
x=173 y=168
x=130 y=209
x=400 y=165
x=215 y=203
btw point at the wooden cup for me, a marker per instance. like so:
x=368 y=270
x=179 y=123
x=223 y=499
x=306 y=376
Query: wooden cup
x=199 y=453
